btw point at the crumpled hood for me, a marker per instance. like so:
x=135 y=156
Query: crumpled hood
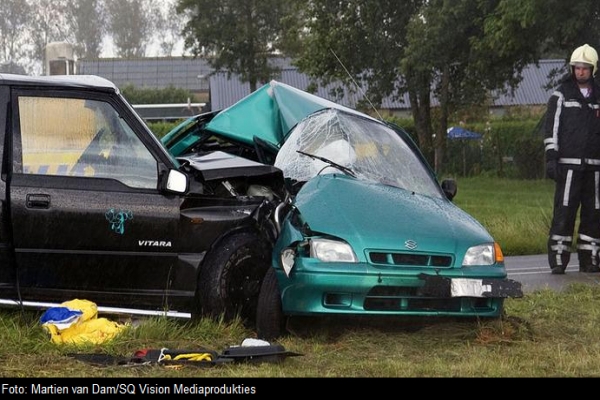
x=370 y=215
x=269 y=113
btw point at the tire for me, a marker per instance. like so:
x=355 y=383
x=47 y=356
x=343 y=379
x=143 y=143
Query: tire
x=270 y=321
x=231 y=276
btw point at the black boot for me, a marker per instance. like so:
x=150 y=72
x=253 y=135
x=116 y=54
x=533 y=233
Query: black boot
x=587 y=251
x=586 y=263
x=559 y=253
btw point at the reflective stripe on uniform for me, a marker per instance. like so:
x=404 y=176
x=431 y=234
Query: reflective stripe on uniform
x=559 y=238
x=567 y=192
x=574 y=161
x=588 y=238
x=572 y=104
x=578 y=161
x=596 y=182
x=556 y=122
x=550 y=144
x=558 y=260
x=563 y=244
x=592 y=245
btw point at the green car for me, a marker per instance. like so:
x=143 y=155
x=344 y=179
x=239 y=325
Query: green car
x=366 y=229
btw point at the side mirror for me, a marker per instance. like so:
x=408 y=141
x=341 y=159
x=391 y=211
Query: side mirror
x=177 y=181
x=449 y=187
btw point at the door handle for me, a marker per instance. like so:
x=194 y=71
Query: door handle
x=38 y=201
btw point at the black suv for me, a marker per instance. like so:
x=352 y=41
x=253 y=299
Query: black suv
x=95 y=208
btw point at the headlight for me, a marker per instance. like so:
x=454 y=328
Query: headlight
x=332 y=251
x=484 y=254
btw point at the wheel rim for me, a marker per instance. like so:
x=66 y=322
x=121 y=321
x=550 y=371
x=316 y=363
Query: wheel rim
x=244 y=285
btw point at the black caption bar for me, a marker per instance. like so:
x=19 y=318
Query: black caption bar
x=198 y=387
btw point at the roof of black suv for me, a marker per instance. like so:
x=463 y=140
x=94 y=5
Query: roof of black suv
x=74 y=81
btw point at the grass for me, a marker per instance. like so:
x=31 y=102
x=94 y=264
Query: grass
x=517 y=213
x=544 y=334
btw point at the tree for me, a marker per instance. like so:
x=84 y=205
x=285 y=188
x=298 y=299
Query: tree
x=237 y=36
x=169 y=26
x=15 y=50
x=458 y=50
x=442 y=57
x=519 y=32
x=130 y=24
x=87 y=22
x=48 y=25
x=535 y=29
x=364 y=41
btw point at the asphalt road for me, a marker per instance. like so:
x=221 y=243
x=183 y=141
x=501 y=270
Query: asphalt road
x=534 y=273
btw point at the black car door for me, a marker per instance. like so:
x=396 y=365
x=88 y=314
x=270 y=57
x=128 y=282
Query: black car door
x=88 y=219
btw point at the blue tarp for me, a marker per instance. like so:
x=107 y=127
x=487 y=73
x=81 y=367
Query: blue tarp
x=457 y=132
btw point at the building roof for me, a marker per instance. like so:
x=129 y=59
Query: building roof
x=195 y=74
x=535 y=88
x=537 y=85
x=157 y=72
x=225 y=91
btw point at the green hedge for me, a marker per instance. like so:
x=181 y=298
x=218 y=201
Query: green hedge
x=510 y=148
x=170 y=94
x=160 y=129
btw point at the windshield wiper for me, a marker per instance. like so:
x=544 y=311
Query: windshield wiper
x=328 y=161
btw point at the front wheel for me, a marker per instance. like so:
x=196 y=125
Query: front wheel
x=270 y=320
x=231 y=277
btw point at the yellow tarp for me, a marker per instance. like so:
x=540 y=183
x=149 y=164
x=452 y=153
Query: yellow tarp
x=88 y=329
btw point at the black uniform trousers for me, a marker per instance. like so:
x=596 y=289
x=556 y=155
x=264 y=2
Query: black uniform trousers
x=575 y=190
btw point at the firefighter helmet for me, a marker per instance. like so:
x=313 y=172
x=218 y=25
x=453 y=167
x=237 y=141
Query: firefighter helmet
x=585 y=54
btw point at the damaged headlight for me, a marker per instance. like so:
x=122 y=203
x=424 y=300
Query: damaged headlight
x=287 y=257
x=483 y=254
x=328 y=250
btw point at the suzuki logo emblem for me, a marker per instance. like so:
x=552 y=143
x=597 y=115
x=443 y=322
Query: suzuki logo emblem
x=410 y=244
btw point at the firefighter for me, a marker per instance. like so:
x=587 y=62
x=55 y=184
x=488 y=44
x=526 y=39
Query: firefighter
x=572 y=148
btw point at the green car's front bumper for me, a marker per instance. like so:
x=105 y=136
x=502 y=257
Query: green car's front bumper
x=360 y=289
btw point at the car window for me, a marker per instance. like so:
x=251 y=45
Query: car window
x=369 y=149
x=78 y=137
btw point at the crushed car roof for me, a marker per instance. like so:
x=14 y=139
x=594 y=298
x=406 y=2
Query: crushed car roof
x=269 y=113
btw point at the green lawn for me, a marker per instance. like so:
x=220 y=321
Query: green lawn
x=517 y=213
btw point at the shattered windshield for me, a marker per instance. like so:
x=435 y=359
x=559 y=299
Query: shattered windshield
x=371 y=150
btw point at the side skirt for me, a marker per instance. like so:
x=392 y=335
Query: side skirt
x=108 y=310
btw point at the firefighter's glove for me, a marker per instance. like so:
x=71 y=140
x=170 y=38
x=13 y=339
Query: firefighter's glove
x=551 y=169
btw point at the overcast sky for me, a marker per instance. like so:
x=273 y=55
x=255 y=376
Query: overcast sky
x=108 y=50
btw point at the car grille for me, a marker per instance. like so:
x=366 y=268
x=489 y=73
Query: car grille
x=410 y=259
x=408 y=299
